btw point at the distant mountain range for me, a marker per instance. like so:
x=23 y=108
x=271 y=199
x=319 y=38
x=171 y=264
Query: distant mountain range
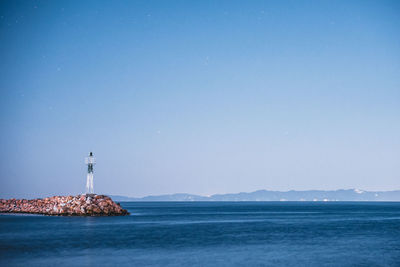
x=265 y=195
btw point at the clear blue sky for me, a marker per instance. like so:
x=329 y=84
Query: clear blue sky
x=199 y=97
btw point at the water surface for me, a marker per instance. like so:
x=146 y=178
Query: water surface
x=210 y=234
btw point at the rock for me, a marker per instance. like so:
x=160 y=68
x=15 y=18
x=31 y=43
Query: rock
x=81 y=205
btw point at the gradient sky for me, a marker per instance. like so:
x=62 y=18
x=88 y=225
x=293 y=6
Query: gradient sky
x=199 y=97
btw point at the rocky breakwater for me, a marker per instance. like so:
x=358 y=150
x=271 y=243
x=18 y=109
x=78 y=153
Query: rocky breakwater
x=81 y=205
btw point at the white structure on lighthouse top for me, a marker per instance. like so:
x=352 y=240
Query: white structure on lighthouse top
x=90 y=162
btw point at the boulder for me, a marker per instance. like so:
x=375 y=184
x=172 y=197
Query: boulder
x=81 y=205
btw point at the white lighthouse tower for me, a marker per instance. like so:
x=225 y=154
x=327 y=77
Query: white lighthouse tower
x=90 y=161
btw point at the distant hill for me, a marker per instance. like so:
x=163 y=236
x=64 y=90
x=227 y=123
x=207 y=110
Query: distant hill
x=265 y=195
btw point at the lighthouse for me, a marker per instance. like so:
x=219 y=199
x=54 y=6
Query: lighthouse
x=90 y=162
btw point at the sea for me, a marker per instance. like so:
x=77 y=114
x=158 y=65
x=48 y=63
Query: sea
x=210 y=234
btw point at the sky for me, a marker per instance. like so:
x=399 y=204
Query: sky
x=199 y=97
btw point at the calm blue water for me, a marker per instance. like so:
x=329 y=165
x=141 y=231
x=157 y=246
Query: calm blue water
x=210 y=234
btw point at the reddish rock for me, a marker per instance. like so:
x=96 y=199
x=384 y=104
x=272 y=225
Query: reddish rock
x=81 y=205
